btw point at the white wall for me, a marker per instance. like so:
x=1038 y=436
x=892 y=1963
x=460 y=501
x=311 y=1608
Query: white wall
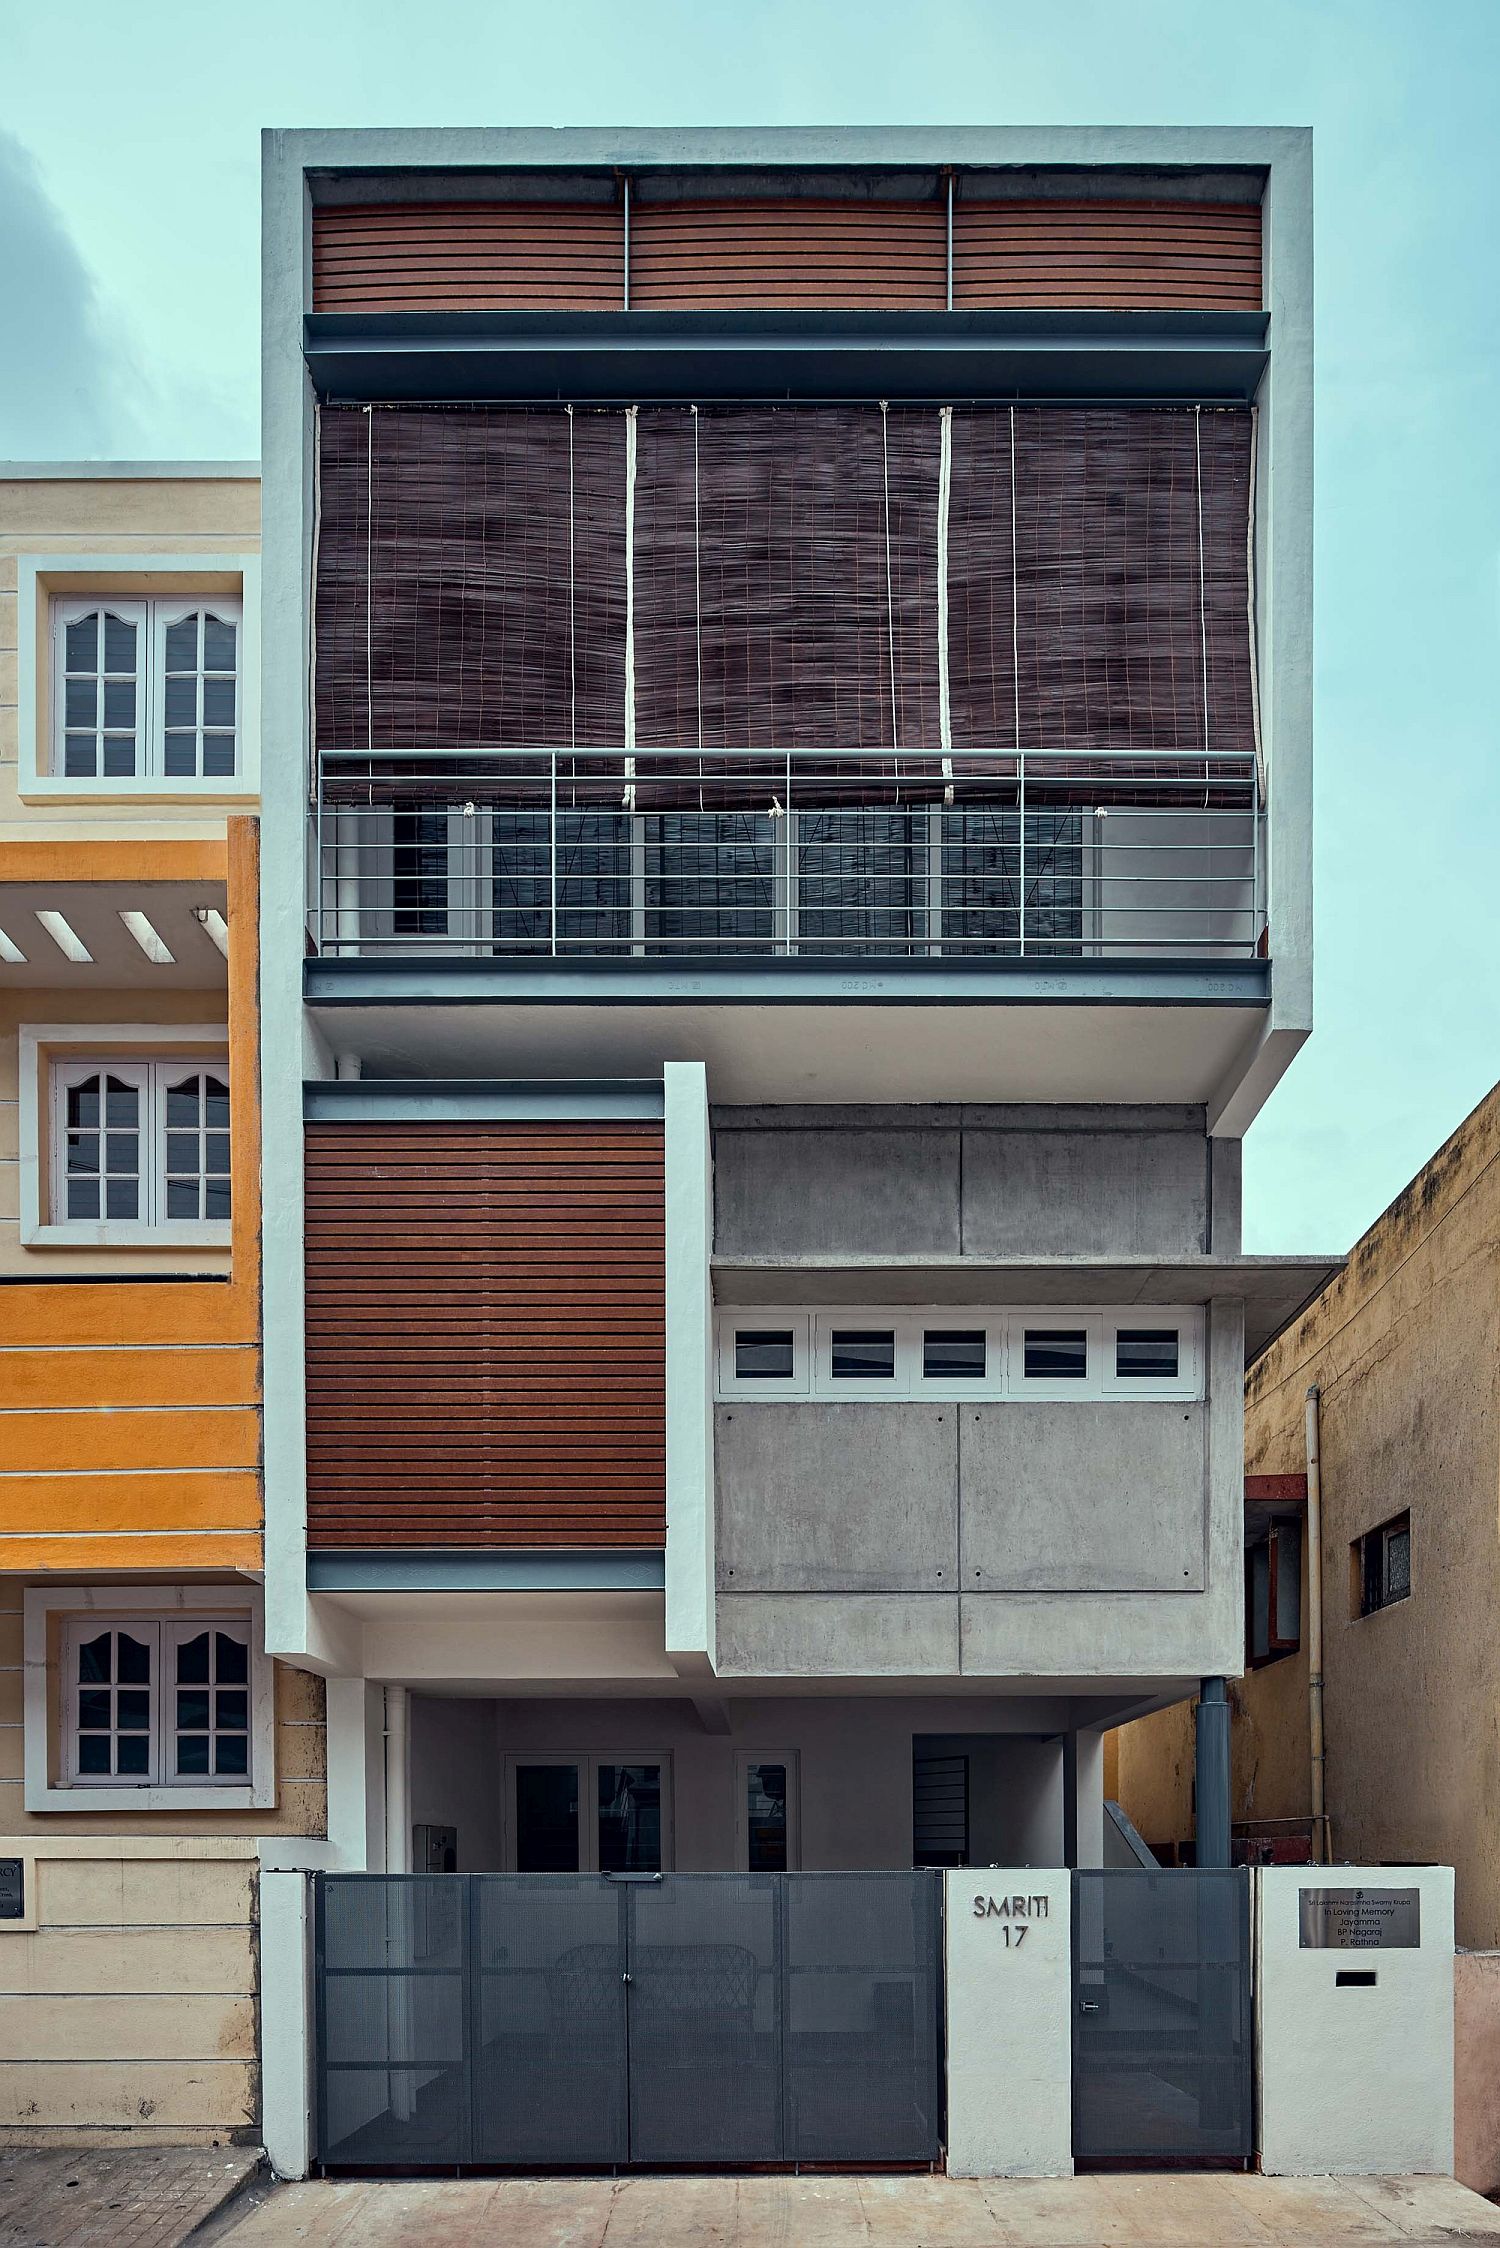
x=1355 y=2080
x=455 y=1775
x=1009 y=2013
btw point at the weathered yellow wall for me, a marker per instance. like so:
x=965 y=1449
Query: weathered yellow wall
x=108 y=516
x=1405 y=1346
x=129 y=2014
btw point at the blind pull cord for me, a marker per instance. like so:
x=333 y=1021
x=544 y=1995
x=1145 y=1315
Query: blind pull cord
x=632 y=417
x=890 y=599
x=945 y=487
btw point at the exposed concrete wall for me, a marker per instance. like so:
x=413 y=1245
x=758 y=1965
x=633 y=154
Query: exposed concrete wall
x=1009 y=2010
x=982 y=1182
x=1476 y=2070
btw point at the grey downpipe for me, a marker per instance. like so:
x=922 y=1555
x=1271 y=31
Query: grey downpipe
x=1317 y=1749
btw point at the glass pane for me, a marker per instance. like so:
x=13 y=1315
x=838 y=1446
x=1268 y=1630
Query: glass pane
x=863 y=1355
x=119 y=756
x=80 y=757
x=93 y=1753
x=93 y=1708
x=192 y=1661
x=133 y=1755
x=232 y=1753
x=218 y=756
x=182 y=645
x=81 y=703
x=83 y=1103
x=1146 y=1354
x=82 y=643
x=218 y=702
x=120 y=1150
x=1398 y=1564
x=181 y=702
x=232 y=1660
x=232 y=1710
x=216 y=1198
x=1057 y=1356
x=121 y=1199
x=629 y=1798
x=216 y=1104
x=765 y=1813
x=192 y=1752
x=121 y=1105
x=216 y=1151
x=182 y=1104
x=133 y=1709
x=219 y=635
x=949 y=1355
x=546 y=1818
x=192 y=1712
x=180 y=756
x=132 y=1660
x=83 y=1151
x=119 y=704
x=763 y=1355
x=119 y=644
x=83 y=1198
x=182 y=1198
x=182 y=1151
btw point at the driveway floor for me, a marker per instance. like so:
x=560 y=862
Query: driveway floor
x=121 y=2197
x=872 y=2212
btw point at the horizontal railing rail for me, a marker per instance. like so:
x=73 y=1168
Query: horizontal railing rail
x=664 y=852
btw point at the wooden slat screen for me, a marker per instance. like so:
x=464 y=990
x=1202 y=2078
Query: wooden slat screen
x=456 y=609
x=485 y=1335
x=742 y=251
x=498 y=257
x=1119 y=256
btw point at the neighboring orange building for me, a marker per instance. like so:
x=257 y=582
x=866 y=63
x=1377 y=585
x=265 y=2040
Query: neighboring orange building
x=146 y=1741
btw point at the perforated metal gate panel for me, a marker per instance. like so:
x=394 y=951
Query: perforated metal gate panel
x=572 y=2021
x=1162 y=2022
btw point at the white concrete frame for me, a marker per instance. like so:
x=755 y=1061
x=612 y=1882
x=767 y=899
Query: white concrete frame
x=41 y=576
x=37 y=1041
x=167 y=1602
x=690 y=1604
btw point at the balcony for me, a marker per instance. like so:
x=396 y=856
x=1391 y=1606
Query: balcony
x=756 y=855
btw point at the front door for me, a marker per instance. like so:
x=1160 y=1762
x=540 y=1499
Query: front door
x=587 y=1814
x=1161 y=2016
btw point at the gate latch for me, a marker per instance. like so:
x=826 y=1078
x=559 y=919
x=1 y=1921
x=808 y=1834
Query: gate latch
x=625 y=1978
x=1085 y=2005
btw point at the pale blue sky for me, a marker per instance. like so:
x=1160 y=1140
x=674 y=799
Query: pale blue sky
x=128 y=246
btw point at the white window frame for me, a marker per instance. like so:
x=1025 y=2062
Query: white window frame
x=743 y=1759
x=47 y=583
x=1005 y=1332
x=175 y=1611
x=588 y=1762
x=166 y=610
x=66 y=609
x=47 y=1052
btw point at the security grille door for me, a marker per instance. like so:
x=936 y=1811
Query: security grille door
x=1162 y=2016
x=578 y=2020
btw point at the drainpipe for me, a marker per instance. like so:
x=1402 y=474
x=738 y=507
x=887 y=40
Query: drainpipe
x=400 y=1933
x=397 y=1823
x=346 y=1067
x=1322 y=1850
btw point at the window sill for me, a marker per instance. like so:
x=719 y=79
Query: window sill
x=112 y=1799
x=52 y=788
x=211 y=1234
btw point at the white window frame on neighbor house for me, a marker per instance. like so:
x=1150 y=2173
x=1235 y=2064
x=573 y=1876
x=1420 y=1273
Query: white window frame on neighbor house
x=1005 y=1329
x=50 y=1050
x=50 y=1696
x=49 y=586
x=744 y=1758
x=588 y=1762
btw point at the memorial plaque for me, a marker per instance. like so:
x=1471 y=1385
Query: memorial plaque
x=12 y=1888
x=1361 y=1919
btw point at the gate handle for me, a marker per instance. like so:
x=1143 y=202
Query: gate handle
x=1085 y=2005
x=627 y=1978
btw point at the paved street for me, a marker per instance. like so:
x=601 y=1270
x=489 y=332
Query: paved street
x=884 y=2212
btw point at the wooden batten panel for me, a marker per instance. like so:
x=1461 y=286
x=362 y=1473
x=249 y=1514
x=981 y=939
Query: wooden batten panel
x=1117 y=256
x=485 y=1335
x=434 y=257
x=693 y=257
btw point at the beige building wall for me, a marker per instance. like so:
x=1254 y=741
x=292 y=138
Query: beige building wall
x=1405 y=1347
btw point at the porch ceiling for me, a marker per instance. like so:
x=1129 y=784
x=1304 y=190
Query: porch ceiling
x=91 y=922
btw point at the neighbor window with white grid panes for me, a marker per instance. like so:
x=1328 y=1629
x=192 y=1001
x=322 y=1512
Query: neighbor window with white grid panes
x=154 y=1701
x=140 y=1144
x=146 y=690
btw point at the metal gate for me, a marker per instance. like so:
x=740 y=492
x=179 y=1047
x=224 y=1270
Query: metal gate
x=559 y=2021
x=1162 y=2021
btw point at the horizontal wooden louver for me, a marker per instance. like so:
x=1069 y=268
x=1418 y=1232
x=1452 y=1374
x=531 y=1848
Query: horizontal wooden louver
x=443 y=257
x=1116 y=256
x=743 y=251
x=485 y=1335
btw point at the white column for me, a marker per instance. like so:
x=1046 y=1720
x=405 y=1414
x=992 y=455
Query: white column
x=286 y=2021
x=1083 y=1798
x=1010 y=2023
x=689 y=1339
x=356 y=1775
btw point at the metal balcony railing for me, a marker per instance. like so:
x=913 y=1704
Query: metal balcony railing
x=762 y=854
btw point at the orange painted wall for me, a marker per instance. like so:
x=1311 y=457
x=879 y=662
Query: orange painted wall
x=130 y=1411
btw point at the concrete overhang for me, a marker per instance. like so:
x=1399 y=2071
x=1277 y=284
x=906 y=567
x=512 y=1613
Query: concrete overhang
x=425 y=356
x=87 y=943
x=1272 y=1289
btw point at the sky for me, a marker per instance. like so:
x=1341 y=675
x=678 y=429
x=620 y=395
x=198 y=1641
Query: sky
x=129 y=213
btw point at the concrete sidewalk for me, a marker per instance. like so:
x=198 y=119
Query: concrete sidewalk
x=116 y=2197
x=874 y=2212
